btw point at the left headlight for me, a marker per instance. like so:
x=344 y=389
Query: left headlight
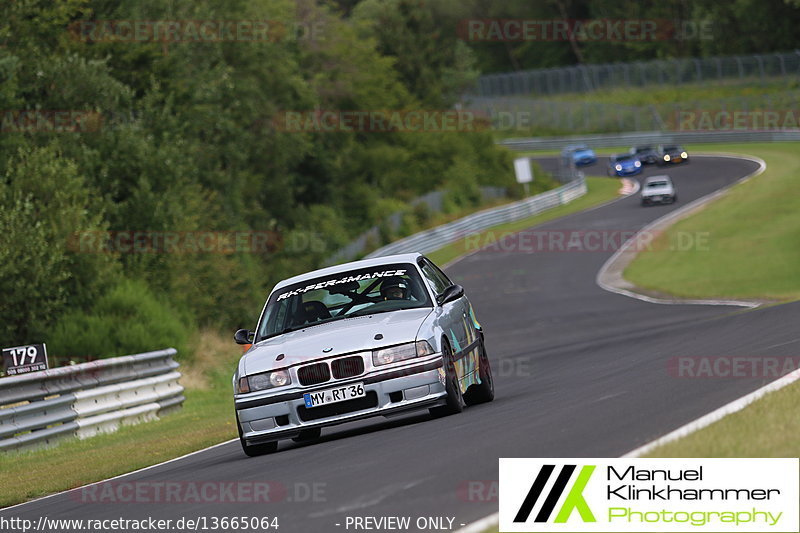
x=637 y=164
x=263 y=381
x=618 y=167
x=684 y=155
x=401 y=352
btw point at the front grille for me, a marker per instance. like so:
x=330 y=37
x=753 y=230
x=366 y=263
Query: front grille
x=313 y=374
x=347 y=367
x=369 y=401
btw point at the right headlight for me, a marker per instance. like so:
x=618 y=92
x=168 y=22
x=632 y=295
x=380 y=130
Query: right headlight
x=265 y=380
x=401 y=352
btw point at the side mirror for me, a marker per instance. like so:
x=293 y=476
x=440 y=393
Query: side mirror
x=450 y=294
x=243 y=336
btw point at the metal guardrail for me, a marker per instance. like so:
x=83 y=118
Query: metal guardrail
x=435 y=238
x=86 y=399
x=608 y=140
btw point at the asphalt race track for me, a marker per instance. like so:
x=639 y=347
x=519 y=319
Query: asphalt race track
x=580 y=372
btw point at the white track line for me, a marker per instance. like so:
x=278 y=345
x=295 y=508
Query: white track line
x=603 y=277
x=737 y=405
x=683 y=431
x=719 y=414
x=119 y=476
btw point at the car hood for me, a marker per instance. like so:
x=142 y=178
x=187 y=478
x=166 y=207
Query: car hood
x=657 y=191
x=584 y=153
x=341 y=336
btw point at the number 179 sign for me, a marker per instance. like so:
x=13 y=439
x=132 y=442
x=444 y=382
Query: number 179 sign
x=24 y=359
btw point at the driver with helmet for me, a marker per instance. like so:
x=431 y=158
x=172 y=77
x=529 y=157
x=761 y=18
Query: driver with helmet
x=394 y=288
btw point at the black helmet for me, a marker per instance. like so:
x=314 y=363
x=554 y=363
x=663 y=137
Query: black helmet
x=394 y=282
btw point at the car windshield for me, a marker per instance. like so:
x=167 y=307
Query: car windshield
x=365 y=291
x=672 y=148
x=641 y=149
x=621 y=158
x=654 y=184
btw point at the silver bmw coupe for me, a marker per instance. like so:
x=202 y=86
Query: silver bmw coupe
x=369 y=338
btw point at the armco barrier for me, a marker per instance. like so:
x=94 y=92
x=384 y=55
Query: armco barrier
x=609 y=140
x=85 y=399
x=435 y=238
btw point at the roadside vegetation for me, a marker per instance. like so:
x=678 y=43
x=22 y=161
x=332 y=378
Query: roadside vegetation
x=750 y=251
x=183 y=141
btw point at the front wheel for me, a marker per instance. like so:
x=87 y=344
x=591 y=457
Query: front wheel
x=255 y=450
x=484 y=391
x=455 y=400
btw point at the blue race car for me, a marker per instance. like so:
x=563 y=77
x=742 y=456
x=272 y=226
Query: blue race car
x=624 y=165
x=581 y=154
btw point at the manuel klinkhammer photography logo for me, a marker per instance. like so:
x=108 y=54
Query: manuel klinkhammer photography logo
x=707 y=494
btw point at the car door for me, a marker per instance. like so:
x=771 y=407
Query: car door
x=458 y=324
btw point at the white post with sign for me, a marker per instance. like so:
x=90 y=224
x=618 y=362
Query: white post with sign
x=24 y=359
x=522 y=168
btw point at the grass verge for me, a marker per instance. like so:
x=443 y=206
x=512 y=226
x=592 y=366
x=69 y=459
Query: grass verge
x=601 y=190
x=205 y=419
x=768 y=427
x=750 y=254
x=749 y=238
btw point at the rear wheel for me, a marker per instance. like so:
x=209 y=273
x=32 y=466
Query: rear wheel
x=455 y=400
x=484 y=391
x=254 y=450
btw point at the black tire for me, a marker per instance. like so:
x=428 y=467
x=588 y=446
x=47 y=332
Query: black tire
x=484 y=391
x=455 y=400
x=255 y=450
x=308 y=435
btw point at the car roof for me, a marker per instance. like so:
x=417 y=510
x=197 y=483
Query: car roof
x=662 y=177
x=353 y=265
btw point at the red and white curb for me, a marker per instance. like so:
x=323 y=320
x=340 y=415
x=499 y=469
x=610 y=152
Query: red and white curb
x=629 y=187
x=609 y=277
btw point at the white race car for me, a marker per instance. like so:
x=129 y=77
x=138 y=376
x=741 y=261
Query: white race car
x=658 y=190
x=370 y=338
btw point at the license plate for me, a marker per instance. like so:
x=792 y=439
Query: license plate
x=334 y=395
x=656 y=198
x=676 y=159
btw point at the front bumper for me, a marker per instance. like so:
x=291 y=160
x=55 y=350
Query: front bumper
x=403 y=387
x=628 y=171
